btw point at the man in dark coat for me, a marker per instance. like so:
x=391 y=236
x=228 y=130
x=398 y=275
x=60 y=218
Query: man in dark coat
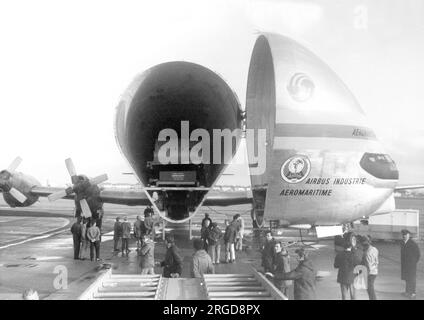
x=76 y=231
x=205 y=234
x=281 y=265
x=148 y=226
x=148 y=212
x=409 y=257
x=173 y=263
x=117 y=234
x=304 y=277
x=138 y=234
x=268 y=252
x=346 y=261
x=215 y=236
x=206 y=218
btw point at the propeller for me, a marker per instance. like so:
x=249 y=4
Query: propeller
x=15 y=164
x=80 y=186
x=18 y=195
x=6 y=183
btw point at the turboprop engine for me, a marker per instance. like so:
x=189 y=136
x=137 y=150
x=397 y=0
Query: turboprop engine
x=16 y=186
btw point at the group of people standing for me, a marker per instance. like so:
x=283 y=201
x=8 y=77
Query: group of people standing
x=86 y=233
x=347 y=260
x=207 y=249
x=172 y=264
x=358 y=250
x=122 y=231
x=356 y=256
x=213 y=237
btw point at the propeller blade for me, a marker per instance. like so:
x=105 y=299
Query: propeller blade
x=70 y=166
x=57 y=195
x=86 y=212
x=99 y=179
x=17 y=195
x=15 y=164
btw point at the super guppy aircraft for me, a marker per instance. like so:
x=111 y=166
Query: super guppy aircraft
x=324 y=164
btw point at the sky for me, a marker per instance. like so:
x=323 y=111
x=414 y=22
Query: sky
x=64 y=66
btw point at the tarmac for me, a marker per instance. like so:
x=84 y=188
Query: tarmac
x=36 y=252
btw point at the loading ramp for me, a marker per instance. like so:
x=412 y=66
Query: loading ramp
x=253 y=286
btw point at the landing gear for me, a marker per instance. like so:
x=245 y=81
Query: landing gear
x=258 y=220
x=258 y=209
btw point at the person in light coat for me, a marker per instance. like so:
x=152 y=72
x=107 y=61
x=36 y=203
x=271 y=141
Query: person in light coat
x=371 y=262
x=240 y=233
x=93 y=235
x=229 y=240
x=147 y=255
x=126 y=236
x=201 y=262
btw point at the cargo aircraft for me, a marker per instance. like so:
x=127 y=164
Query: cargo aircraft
x=324 y=166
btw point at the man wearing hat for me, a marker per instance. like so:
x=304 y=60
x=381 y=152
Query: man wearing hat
x=409 y=257
x=371 y=262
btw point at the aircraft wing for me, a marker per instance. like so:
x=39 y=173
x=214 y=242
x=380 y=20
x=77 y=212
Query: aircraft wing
x=417 y=186
x=137 y=197
x=127 y=196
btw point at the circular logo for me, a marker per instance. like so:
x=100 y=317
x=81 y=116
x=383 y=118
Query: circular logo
x=295 y=169
x=301 y=87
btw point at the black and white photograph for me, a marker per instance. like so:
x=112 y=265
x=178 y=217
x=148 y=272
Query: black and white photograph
x=227 y=151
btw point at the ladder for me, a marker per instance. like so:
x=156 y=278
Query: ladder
x=254 y=286
x=124 y=287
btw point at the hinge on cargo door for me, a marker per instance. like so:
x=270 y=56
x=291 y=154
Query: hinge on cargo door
x=243 y=123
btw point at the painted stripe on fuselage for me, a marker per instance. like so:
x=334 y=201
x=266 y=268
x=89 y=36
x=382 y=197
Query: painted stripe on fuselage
x=323 y=131
x=322 y=143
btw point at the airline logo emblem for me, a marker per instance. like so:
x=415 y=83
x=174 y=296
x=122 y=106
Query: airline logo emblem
x=295 y=169
x=301 y=87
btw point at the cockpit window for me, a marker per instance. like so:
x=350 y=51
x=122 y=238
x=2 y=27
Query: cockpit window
x=380 y=166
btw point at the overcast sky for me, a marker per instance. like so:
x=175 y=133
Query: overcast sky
x=64 y=65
